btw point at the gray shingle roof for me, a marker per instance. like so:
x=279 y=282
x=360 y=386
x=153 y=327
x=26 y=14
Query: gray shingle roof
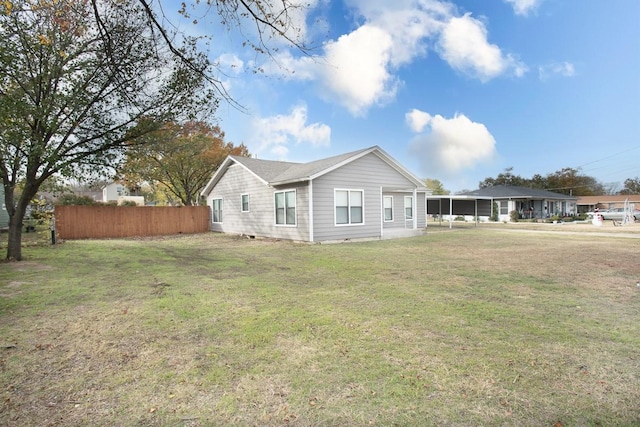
x=268 y=170
x=279 y=172
x=514 y=192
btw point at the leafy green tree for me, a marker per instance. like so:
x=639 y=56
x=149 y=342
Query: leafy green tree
x=180 y=158
x=571 y=182
x=436 y=187
x=504 y=178
x=537 y=181
x=631 y=186
x=565 y=181
x=76 y=78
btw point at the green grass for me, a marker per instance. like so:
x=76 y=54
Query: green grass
x=472 y=327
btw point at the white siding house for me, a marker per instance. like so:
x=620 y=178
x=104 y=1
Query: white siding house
x=359 y=195
x=112 y=192
x=529 y=203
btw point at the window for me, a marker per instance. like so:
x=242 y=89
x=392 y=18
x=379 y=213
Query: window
x=349 y=207
x=245 y=203
x=504 y=207
x=388 y=208
x=408 y=207
x=285 y=207
x=216 y=210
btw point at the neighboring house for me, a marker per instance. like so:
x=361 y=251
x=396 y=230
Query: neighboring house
x=113 y=191
x=364 y=194
x=591 y=203
x=529 y=202
x=4 y=215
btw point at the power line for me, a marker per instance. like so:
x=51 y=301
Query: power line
x=608 y=157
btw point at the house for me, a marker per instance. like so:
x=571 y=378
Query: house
x=112 y=191
x=528 y=202
x=364 y=194
x=591 y=203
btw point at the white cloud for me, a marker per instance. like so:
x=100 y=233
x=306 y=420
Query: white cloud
x=273 y=135
x=562 y=69
x=417 y=120
x=523 y=7
x=229 y=63
x=410 y=24
x=464 y=45
x=451 y=145
x=356 y=71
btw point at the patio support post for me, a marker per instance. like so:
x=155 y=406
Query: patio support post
x=415 y=207
x=450 y=212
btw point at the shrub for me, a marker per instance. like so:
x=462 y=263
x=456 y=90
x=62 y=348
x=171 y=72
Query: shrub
x=514 y=216
x=553 y=218
x=73 y=199
x=494 y=212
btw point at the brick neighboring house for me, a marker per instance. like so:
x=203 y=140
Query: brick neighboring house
x=590 y=203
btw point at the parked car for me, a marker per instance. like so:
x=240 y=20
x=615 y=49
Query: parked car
x=614 y=214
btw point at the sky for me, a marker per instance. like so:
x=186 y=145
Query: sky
x=456 y=91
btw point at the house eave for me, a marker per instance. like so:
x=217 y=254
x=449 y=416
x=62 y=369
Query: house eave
x=288 y=182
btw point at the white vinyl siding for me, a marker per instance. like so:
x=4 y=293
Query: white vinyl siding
x=349 y=207
x=260 y=220
x=245 y=203
x=408 y=207
x=285 y=206
x=388 y=208
x=216 y=210
x=369 y=174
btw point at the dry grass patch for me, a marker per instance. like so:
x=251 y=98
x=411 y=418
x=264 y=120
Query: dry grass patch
x=473 y=327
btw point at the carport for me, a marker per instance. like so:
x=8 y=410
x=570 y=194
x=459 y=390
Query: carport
x=458 y=205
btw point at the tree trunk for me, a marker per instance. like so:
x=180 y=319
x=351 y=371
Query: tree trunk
x=14 y=244
x=16 y=218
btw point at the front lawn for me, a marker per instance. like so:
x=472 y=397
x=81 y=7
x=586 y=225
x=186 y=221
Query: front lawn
x=470 y=327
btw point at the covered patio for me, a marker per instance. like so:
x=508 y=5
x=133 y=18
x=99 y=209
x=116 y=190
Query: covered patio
x=457 y=205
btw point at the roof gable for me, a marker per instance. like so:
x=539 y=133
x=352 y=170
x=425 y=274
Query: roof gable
x=273 y=172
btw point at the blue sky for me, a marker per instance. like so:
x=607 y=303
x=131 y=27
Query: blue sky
x=455 y=91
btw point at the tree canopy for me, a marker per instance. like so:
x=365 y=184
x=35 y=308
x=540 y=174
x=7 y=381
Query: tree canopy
x=179 y=158
x=631 y=186
x=567 y=181
x=435 y=186
x=76 y=78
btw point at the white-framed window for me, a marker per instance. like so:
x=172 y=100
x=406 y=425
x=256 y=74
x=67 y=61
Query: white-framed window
x=388 y=208
x=408 y=207
x=285 y=206
x=216 y=210
x=349 y=207
x=245 y=203
x=504 y=207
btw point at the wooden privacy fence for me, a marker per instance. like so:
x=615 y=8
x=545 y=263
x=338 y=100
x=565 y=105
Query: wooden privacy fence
x=94 y=222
